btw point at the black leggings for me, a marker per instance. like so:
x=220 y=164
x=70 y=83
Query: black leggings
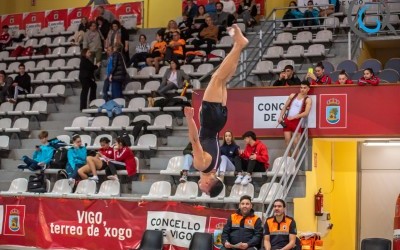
x=113 y=166
x=87 y=84
x=248 y=166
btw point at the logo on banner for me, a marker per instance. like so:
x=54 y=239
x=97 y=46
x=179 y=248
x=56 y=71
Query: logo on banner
x=14 y=220
x=215 y=227
x=333 y=111
x=33 y=18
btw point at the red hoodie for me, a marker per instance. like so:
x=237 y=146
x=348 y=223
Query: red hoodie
x=260 y=150
x=373 y=81
x=322 y=81
x=348 y=81
x=126 y=156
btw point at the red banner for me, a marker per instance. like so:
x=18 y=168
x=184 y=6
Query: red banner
x=75 y=15
x=129 y=14
x=14 y=22
x=103 y=224
x=260 y=5
x=33 y=21
x=360 y=112
x=56 y=19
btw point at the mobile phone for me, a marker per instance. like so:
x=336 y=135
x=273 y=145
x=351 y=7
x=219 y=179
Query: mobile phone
x=37 y=146
x=311 y=70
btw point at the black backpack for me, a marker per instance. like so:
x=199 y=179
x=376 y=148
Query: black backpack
x=60 y=159
x=37 y=183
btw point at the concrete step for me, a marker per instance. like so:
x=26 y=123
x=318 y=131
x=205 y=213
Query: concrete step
x=52 y=132
x=159 y=163
x=11 y=175
x=53 y=125
x=17 y=154
x=29 y=143
x=9 y=164
x=64 y=116
x=177 y=141
x=65 y=108
x=73 y=100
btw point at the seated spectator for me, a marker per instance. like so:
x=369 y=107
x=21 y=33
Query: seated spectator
x=118 y=72
x=293 y=13
x=185 y=26
x=229 y=154
x=106 y=14
x=76 y=159
x=220 y=18
x=248 y=11
x=199 y=22
x=244 y=229
x=83 y=27
x=172 y=27
x=103 y=26
x=287 y=77
x=97 y=2
x=210 y=7
x=318 y=77
x=187 y=163
x=123 y=159
x=86 y=78
x=141 y=51
x=369 y=78
x=326 y=11
x=311 y=13
x=97 y=162
x=92 y=41
x=190 y=10
x=5 y=38
x=208 y=35
x=109 y=66
x=343 y=78
x=157 y=51
x=21 y=84
x=254 y=158
x=175 y=48
x=172 y=79
x=5 y=84
x=118 y=34
x=42 y=155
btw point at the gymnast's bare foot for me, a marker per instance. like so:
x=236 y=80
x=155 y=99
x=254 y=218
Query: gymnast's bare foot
x=237 y=36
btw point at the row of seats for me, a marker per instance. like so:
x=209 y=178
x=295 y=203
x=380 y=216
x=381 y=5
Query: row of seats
x=58 y=52
x=21 y=124
x=36 y=43
x=23 y=108
x=351 y=66
x=32 y=66
x=295 y=51
x=4 y=142
x=303 y=37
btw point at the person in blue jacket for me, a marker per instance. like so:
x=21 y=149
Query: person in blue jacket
x=229 y=154
x=76 y=158
x=311 y=13
x=293 y=13
x=42 y=155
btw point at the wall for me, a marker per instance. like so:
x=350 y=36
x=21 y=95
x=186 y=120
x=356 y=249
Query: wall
x=339 y=195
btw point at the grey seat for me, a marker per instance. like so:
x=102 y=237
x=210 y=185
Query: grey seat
x=389 y=75
x=39 y=91
x=119 y=123
x=294 y=51
x=348 y=65
x=274 y=52
x=393 y=63
x=303 y=37
x=98 y=124
x=20 y=108
x=78 y=124
x=315 y=50
x=135 y=105
x=323 y=36
x=372 y=63
x=132 y=88
x=263 y=67
x=283 y=38
x=328 y=67
x=149 y=87
x=281 y=65
x=334 y=75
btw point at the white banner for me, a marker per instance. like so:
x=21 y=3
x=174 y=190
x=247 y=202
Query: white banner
x=268 y=108
x=178 y=228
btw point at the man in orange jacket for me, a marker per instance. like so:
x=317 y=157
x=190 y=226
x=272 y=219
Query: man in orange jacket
x=254 y=158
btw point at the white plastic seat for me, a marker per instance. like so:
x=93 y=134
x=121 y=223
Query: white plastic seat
x=96 y=142
x=161 y=72
x=41 y=77
x=146 y=142
x=56 y=91
x=3 y=66
x=276 y=188
x=4 y=142
x=263 y=67
x=187 y=191
x=18 y=185
x=158 y=190
x=331 y=22
x=58 y=41
x=39 y=91
x=120 y=101
x=238 y=191
x=281 y=65
x=4 y=124
x=225 y=42
x=119 y=123
x=149 y=87
x=145 y=73
x=72 y=51
x=220 y=53
x=324 y=36
x=288 y=166
x=56 y=65
x=86 y=187
x=303 y=37
x=64 y=138
x=132 y=88
x=78 y=124
x=61 y=187
x=13 y=67
x=109 y=188
x=274 y=52
x=56 y=77
x=30 y=65
x=86 y=140
x=3 y=55
x=57 y=52
x=174 y=167
x=98 y=124
x=72 y=64
x=132 y=72
x=21 y=124
x=294 y=51
x=44 y=41
x=20 y=108
x=42 y=65
x=6 y=107
x=31 y=42
x=205 y=198
x=187 y=68
x=72 y=77
x=202 y=70
x=135 y=105
x=161 y=122
x=93 y=106
x=315 y=50
x=283 y=38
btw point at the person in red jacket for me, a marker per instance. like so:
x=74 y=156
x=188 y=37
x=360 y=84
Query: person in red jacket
x=343 y=78
x=5 y=38
x=369 y=78
x=123 y=159
x=254 y=158
x=318 y=77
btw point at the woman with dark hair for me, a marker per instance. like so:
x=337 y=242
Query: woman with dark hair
x=318 y=76
x=199 y=21
x=369 y=78
x=97 y=162
x=123 y=159
x=83 y=27
x=118 y=72
x=118 y=34
x=293 y=13
x=103 y=26
x=86 y=77
x=229 y=154
x=173 y=78
x=141 y=51
x=76 y=156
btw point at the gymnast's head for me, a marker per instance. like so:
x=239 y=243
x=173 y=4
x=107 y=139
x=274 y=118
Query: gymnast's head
x=210 y=184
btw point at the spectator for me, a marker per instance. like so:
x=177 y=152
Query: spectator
x=21 y=84
x=103 y=26
x=118 y=72
x=230 y=158
x=210 y=7
x=190 y=9
x=229 y=6
x=76 y=159
x=343 y=78
x=334 y=7
x=86 y=77
x=118 y=34
x=141 y=51
x=175 y=48
x=42 y=155
x=185 y=26
x=208 y=35
x=106 y=14
x=243 y=230
x=287 y=77
x=5 y=84
x=83 y=27
x=199 y=21
x=123 y=159
x=279 y=230
x=296 y=107
x=312 y=14
x=293 y=13
x=220 y=18
x=369 y=78
x=97 y=162
x=157 y=51
x=97 y=2
x=248 y=11
x=187 y=163
x=172 y=27
x=106 y=85
x=5 y=38
x=92 y=41
x=254 y=158
x=173 y=78
x=318 y=77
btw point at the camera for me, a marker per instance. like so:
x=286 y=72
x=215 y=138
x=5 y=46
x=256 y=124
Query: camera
x=283 y=124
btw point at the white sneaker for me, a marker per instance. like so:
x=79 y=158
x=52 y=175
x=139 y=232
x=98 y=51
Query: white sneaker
x=183 y=179
x=94 y=178
x=71 y=182
x=246 y=180
x=239 y=179
x=112 y=177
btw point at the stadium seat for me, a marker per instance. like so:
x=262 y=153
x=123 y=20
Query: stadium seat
x=203 y=241
x=152 y=240
x=18 y=185
x=161 y=122
x=86 y=187
x=72 y=64
x=174 y=166
x=64 y=138
x=146 y=142
x=135 y=105
x=357 y=75
x=284 y=38
x=86 y=140
x=393 y=63
x=41 y=66
x=186 y=191
x=72 y=51
x=348 y=65
x=372 y=63
x=303 y=37
x=72 y=77
x=12 y=67
x=96 y=142
x=132 y=88
x=119 y=123
x=98 y=124
x=187 y=68
x=78 y=124
x=44 y=41
x=238 y=191
x=57 y=52
x=58 y=41
x=202 y=70
x=39 y=91
x=4 y=124
x=263 y=67
x=6 y=107
x=149 y=87
x=289 y=166
x=159 y=190
x=281 y=65
x=3 y=66
x=145 y=73
x=21 y=124
x=20 y=108
x=274 y=52
x=3 y=55
x=331 y=22
x=109 y=188
x=275 y=188
x=294 y=51
x=55 y=77
x=315 y=50
x=225 y=42
x=389 y=75
x=4 y=142
x=56 y=91
x=120 y=101
x=56 y=65
x=41 y=77
x=61 y=187
x=376 y=244
x=31 y=42
x=30 y=66
x=132 y=72
x=323 y=36
x=334 y=75
x=161 y=72
x=220 y=53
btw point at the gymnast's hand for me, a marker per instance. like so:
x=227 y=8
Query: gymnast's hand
x=189 y=112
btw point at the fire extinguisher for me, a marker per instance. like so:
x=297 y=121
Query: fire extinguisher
x=319 y=203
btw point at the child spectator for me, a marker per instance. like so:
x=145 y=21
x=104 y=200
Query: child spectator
x=369 y=78
x=287 y=77
x=5 y=38
x=175 y=48
x=76 y=159
x=293 y=13
x=92 y=41
x=311 y=13
x=157 y=51
x=199 y=20
x=343 y=78
x=318 y=77
x=97 y=162
x=230 y=159
x=21 y=84
x=141 y=51
x=123 y=159
x=83 y=27
x=209 y=36
x=187 y=163
x=42 y=155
